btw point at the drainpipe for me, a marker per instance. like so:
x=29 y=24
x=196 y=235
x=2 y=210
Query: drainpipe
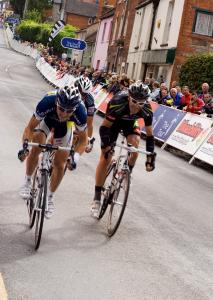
x=155 y=7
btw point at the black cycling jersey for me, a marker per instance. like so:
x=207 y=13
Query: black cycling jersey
x=89 y=103
x=118 y=109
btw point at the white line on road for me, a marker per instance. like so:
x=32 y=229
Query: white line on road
x=3 y=292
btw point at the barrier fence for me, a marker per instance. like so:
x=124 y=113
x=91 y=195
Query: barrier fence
x=190 y=133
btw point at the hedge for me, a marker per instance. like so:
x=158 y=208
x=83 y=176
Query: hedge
x=196 y=70
x=32 y=31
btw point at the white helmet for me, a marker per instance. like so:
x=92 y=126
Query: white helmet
x=139 y=90
x=84 y=84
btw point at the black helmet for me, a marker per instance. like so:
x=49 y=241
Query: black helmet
x=68 y=97
x=139 y=91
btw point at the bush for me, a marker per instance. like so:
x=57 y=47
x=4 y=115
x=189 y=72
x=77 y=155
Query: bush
x=33 y=15
x=32 y=31
x=196 y=70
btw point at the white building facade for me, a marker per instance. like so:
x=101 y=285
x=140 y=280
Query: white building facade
x=154 y=39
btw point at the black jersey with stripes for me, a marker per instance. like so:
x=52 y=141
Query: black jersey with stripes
x=47 y=110
x=118 y=109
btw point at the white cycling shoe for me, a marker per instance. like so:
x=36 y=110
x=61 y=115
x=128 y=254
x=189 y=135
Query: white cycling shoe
x=50 y=210
x=25 y=191
x=95 y=208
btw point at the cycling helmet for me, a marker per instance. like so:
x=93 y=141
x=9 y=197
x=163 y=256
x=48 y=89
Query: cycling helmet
x=139 y=91
x=68 y=97
x=84 y=83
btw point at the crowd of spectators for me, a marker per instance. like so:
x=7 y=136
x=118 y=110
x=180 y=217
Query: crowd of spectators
x=198 y=102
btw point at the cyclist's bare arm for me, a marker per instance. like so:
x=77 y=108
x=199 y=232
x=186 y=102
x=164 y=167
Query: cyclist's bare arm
x=28 y=131
x=149 y=130
x=82 y=141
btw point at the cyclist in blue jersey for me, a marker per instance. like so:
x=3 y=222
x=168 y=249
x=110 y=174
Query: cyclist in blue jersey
x=84 y=85
x=52 y=116
x=123 y=112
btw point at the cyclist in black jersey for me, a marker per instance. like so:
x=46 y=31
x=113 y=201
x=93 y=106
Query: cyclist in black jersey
x=84 y=85
x=53 y=114
x=123 y=112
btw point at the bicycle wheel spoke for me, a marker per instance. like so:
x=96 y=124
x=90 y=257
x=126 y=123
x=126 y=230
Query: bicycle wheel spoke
x=118 y=203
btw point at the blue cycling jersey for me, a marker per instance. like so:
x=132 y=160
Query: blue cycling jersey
x=47 y=110
x=89 y=103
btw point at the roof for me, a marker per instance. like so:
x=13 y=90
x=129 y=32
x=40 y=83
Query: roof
x=77 y=7
x=108 y=14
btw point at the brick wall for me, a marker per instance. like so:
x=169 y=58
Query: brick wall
x=114 y=50
x=77 y=21
x=190 y=43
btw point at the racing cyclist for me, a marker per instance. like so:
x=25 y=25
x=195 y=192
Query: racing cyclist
x=123 y=112
x=84 y=85
x=52 y=115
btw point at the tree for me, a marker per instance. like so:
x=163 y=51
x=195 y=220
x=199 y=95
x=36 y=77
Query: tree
x=39 y=5
x=18 y=6
x=196 y=70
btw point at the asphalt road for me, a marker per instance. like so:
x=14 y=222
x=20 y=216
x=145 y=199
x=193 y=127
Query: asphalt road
x=162 y=250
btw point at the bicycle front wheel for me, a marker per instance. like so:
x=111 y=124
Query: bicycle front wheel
x=118 y=203
x=105 y=194
x=31 y=203
x=40 y=209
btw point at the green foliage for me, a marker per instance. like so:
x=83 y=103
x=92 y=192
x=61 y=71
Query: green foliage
x=32 y=31
x=39 y=5
x=33 y=15
x=196 y=70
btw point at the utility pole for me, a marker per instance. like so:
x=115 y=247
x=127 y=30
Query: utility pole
x=62 y=10
x=25 y=7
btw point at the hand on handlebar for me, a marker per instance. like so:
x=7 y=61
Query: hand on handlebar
x=23 y=153
x=72 y=161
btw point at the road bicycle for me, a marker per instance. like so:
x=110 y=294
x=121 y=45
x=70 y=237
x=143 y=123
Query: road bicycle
x=37 y=204
x=116 y=188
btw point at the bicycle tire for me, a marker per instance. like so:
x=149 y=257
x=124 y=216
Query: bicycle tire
x=106 y=187
x=112 y=227
x=40 y=210
x=32 y=201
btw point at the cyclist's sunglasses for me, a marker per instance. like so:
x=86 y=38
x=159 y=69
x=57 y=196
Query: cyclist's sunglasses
x=68 y=111
x=137 y=102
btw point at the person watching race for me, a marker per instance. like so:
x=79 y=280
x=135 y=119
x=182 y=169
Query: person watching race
x=123 y=112
x=84 y=85
x=52 y=116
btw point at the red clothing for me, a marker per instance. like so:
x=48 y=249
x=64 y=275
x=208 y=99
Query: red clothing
x=196 y=107
x=185 y=100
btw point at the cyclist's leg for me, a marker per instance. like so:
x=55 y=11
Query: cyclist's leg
x=90 y=115
x=132 y=133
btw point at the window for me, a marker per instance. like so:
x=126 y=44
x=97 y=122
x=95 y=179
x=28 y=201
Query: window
x=133 y=71
x=98 y=64
x=110 y=31
x=203 y=23
x=168 y=22
x=103 y=33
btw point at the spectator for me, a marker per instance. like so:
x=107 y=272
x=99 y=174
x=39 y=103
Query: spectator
x=205 y=90
x=185 y=99
x=174 y=84
x=195 y=105
x=208 y=107
x=165 y=98
x=155 y=90
x=176 y=96
x=114 y=86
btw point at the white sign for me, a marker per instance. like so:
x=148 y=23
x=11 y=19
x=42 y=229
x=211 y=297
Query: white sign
x=205 y=152
x=190 y=133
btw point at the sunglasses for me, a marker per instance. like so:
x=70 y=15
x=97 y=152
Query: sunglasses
x=137 y=102
x=68 y=111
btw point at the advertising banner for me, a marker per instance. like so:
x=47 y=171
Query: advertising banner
x=205 y=152
x=190 y=133
x=165 y=120
x=103 y=105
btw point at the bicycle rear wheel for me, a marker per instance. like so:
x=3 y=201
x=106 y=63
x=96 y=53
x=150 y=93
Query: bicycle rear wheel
x=32 y=201
x=105 y=194
x=118 y=203
x=40 y=209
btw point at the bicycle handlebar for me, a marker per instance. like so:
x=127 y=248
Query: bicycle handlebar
x=133 y=149
x=49 y=147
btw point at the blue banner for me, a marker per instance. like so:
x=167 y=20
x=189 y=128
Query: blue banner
x=76 y=44
x=165 y=120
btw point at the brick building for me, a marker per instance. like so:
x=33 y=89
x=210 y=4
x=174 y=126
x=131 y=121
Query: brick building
x=121 y=33
x=196 y=31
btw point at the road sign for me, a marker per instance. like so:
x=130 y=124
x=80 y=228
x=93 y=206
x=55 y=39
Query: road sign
x=76 y=44
x=12 y=20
